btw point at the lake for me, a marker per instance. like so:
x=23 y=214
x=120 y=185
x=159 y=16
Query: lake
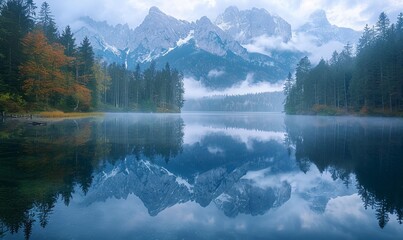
x=202 y=176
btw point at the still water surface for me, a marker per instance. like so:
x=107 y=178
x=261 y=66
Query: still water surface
x=202 y=176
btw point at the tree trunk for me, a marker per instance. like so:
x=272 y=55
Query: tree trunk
x=77 y=104
x=345 y=93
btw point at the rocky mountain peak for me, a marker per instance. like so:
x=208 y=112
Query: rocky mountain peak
x=231 y=12
x=212 y=39
x=319 y=18
x=246 y=25
x=231 y=9
x=260 y=11
x=155 y=14
x=204 y=21
x=158 y=33
x=319 y=27
x=155 y=10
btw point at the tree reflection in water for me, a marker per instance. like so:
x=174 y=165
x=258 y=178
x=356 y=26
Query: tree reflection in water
x=40 y=164
x=369 y=148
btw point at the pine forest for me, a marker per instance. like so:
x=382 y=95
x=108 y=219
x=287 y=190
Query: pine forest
x=369 y=82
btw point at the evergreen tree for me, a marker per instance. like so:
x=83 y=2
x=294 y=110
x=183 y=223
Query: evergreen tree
x=103 y=80
x=288 y=84
x=15 y=22
x=68 y=41
x=165 y=86
x=399 y=23
x=302 y=71
x=149 y=79
x=347 y=66
x=31 y=8
x=47 y=23
x=138 y=84
x=85 y=69
x=366 y=38
x=382 y=26
x=177 y=81
x=288 y=92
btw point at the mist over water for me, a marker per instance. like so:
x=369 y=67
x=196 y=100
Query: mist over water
x=195 y=89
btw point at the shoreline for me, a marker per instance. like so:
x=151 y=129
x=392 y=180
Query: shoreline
x=348 y=114
x=77 y=115
x=320 y=110
x=64 y=115
x=55 y=114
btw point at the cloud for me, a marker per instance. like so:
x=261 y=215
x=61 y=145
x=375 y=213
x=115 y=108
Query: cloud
x=263 y=44
x=300 y=42
x=215 y=150
x=195 y=89
x=194 y=133
x=346 y=207
x=215 y=73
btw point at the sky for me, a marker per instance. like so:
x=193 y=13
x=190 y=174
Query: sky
x=345 y=13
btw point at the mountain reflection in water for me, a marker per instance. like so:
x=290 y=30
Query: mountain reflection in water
x=300 y=174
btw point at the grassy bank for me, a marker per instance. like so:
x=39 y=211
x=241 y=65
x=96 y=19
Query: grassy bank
x=60 y=114
x=323 y=110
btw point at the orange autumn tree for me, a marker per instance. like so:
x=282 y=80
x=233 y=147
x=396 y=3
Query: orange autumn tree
x=43 y=71
x=82 y=95
x=43 y=68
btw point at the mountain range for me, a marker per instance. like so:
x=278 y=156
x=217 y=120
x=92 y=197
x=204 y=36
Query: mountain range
x=214 y=53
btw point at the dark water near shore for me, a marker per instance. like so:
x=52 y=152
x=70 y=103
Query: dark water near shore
x=202 y=176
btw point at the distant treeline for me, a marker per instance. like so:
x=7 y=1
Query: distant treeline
x=259 y=102
x=370 y=82
x=41 y=69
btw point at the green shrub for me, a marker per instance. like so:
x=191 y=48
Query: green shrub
x=11 y=103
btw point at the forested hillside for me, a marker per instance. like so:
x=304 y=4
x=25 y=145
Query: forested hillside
x=41 y=69
x=369 y=82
